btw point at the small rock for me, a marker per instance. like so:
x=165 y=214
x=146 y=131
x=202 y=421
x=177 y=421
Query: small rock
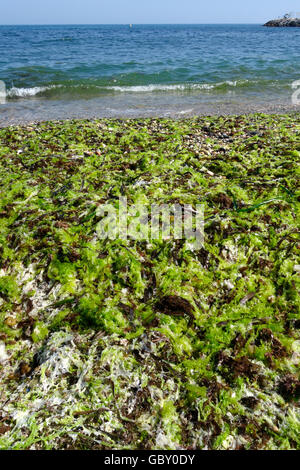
x=228 y=284
x=4 y=428
x=24 y=369
x=11 y=322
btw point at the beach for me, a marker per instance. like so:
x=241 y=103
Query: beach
x=149 y=237
x=113 y=343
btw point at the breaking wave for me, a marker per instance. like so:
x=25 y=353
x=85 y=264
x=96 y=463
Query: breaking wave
x=90 y=90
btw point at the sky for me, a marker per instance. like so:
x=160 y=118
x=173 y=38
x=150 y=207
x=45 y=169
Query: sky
x=143 y=11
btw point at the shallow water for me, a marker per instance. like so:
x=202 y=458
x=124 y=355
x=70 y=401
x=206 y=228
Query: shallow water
x=167 y=70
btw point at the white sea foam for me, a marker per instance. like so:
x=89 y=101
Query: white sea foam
x=151 y=88
x=15 y=92
x=186 y=111
x=176 y=87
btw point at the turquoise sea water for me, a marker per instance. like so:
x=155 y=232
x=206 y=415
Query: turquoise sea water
x=61 y=71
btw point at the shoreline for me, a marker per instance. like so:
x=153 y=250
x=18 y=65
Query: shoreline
x=187 y=112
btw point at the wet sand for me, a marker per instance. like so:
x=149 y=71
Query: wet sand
x=28 y=111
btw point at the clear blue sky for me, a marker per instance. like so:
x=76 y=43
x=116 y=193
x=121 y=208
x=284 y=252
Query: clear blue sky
x=142 y=11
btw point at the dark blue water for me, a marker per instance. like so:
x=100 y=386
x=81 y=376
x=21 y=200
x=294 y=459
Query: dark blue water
x=149 y=69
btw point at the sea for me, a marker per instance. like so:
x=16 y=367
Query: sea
x=131 y=71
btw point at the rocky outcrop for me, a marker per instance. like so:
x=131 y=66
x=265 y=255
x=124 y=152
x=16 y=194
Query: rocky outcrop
x=284 y=22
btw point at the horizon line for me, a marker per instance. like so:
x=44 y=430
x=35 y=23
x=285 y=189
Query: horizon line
x=124 y=24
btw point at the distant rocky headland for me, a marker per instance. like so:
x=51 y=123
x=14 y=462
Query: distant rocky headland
x=284 y=22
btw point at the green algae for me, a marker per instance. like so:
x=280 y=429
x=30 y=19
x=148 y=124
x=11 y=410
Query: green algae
x=87 y=359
